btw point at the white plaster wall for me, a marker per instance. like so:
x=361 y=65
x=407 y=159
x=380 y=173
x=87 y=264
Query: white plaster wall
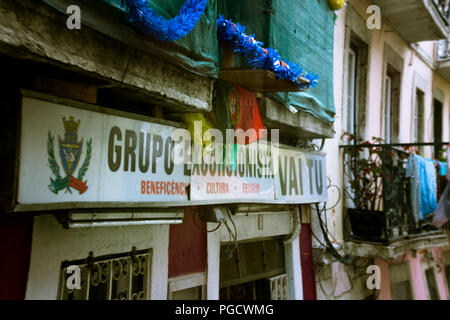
x=413 y=64
x=275 y=224
x=294 y=269
x=52 y=244
x=325 y=289
x=331 y=147
x=444 y=86
x=428 y=47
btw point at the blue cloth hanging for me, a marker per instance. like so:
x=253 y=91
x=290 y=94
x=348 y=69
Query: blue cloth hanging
x=423 y=185
x=442 y=167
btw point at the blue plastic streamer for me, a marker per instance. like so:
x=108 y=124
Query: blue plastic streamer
x=259 y=57
x=144 y=17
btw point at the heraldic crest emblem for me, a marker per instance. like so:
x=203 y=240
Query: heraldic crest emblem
x=70 y=153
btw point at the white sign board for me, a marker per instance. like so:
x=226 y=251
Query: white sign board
x=75 y=155
x=300 y=177
x=249 y=178
x=291 y=176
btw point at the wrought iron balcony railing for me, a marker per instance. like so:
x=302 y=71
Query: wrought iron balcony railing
x=443 y=50
x=378 y=194
x=443 y=8
x=417 y=20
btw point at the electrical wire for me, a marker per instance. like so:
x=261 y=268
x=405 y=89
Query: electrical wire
x=317 y=239
x=235 y=230
x=233 y=239
x=328 y=295
x=229 y=241
x=346 y=259
x=343 y=259
x=202 y=230
x=216 y=228
x=339 y=195
x=232 y=222
x=325 y=226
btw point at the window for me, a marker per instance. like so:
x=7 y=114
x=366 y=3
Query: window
x=355 y=92
x=447 y=276
x=194 y=293
x=417 y=126
x=437 y=127
x=356 y=87
x=400 y=281
x=253 y=270
x=351 y=94
x=446 y=263
x=431 y=282
x=391 y=104
x=402 y=290
x=115 y=277
x=279 y=287
x=388 y=110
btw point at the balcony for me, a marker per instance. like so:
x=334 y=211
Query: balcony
x=443 y=59
x=417 y=20
x=379 y=220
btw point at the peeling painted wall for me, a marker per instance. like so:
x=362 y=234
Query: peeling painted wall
x=51 y=245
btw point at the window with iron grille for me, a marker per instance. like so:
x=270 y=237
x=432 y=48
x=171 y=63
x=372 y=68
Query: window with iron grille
x=279 y=287
x=123 y=276
x=400 y=277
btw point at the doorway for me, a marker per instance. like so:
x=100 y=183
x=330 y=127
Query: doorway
x=437 y=127
x=253 y=270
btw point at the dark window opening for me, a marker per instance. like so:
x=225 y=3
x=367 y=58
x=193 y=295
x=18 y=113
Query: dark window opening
x=392 y=105
x=432 y=286
x=253 y=271
x=402 y=290
x=437 y=127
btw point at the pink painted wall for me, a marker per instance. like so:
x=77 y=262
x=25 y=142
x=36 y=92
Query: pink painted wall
x=418 y=278
x=419 y=284
x=385 y=292
x=440 y=276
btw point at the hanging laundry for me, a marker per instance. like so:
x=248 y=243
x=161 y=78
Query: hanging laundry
x=341 y=281
x=200 y=137
x=423 y=185
x=442 y=214
x=237 y=108
x=245 y=115
x=448 y=162
x=223 y=119
x=442 y=167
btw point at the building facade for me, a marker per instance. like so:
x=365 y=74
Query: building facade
x=390 y=88
x=94 y=207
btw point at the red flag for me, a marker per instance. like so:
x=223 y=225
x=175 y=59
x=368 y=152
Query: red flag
x=245 y=113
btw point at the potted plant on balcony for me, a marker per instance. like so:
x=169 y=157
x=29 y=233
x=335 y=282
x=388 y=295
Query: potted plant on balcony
x=363 y=172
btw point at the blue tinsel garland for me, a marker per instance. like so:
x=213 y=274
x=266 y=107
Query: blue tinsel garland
x=259 y=57
x=148 y=21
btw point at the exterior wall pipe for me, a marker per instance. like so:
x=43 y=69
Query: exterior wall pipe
x=292 y=258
